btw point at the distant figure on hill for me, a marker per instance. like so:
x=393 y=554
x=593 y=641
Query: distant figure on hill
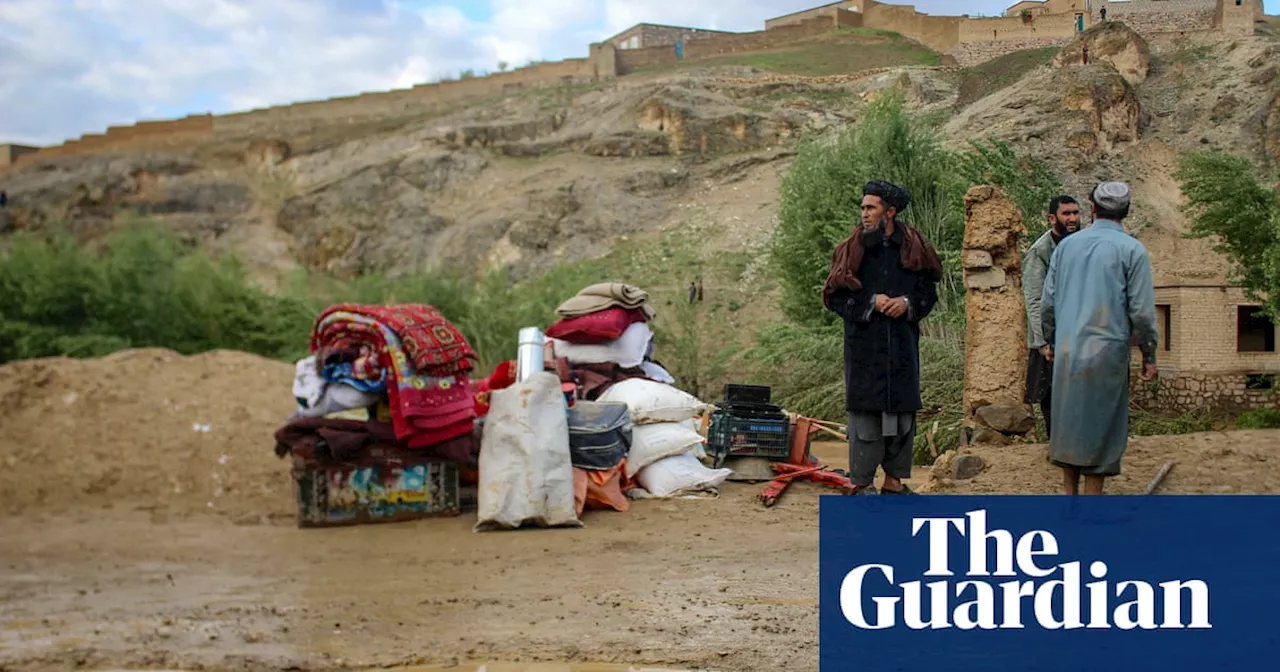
x=693 y=291
x=699 y=290
x=1085 y=54
x=4 y=199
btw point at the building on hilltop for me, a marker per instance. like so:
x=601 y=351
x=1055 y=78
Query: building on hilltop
x=10 y=153
x=812 y=13
x=643 y=35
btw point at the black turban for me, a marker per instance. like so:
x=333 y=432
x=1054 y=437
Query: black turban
x=893 y=196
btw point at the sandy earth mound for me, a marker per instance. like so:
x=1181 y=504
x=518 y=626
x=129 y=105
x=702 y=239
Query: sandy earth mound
x=1207 y=463
x=147 y=430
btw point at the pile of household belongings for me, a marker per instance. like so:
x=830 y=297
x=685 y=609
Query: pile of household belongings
x=627 y=430
x=406 y=366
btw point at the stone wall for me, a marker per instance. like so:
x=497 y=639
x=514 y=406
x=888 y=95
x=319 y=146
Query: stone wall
x=1060 y=26
x=1179 y=393
x=1160 y=16
x=974 y=53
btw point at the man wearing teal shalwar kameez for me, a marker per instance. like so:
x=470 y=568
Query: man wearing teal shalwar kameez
x=1098 y=294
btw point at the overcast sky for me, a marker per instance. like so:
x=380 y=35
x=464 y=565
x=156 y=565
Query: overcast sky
x=69 y=67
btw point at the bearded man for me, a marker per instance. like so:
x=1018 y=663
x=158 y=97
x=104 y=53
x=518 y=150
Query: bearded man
x=1064 y=220
x=882 y=283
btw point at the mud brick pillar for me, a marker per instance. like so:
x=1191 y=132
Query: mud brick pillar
x=996 y=344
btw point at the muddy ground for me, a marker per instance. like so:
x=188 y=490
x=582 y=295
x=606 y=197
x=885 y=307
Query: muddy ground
x=146 y=523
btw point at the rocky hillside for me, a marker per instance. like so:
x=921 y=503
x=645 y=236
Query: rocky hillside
x=536 y=179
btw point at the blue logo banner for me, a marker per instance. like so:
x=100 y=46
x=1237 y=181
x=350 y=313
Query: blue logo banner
x=1036 y=583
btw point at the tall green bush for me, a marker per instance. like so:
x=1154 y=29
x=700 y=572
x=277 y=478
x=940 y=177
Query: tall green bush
x=821 y=204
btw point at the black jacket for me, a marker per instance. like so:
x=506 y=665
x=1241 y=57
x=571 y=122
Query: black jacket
x=882 y=354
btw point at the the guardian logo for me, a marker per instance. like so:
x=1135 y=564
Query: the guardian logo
x=973 y=603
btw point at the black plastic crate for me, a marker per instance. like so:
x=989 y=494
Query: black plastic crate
x=752 y=411
x=747 y=394
x=732 y=436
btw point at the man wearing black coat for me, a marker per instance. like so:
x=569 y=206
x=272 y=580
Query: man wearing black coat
x=883 y=282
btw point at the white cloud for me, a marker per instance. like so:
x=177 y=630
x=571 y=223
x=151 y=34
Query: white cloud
x=69 y=67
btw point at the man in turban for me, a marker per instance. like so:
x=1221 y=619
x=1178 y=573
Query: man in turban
x=1098 y=296
x=882 y=283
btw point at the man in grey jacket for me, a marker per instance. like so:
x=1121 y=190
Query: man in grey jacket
x=1064 y=220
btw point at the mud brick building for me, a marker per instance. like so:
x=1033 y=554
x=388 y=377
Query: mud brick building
x=10 y=153
x=643 y=35
x=1216 y=351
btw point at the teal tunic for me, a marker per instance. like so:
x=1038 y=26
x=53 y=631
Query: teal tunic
x=1097 y=293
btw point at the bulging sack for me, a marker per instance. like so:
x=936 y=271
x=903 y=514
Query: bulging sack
x=526 y=474
x=680 y=474
x=652 y=442
x=651 y=401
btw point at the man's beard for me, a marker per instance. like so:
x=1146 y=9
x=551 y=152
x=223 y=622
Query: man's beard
x=875 y=234
x=1062 y=230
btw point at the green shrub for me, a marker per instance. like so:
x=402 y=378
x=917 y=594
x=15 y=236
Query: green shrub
x=821 y=203
x=1261 y=418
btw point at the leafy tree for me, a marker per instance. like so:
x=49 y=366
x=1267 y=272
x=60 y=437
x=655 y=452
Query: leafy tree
x=821 y=198
x=1229 y=202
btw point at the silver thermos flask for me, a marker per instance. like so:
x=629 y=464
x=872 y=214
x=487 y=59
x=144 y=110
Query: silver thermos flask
x=529 y=355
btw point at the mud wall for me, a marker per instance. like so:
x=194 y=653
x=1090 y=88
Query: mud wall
x=634 y=60
x=1032 y=6
x=10 y=153
x=1237 y=19
x=420 y=98
x=996 y=343
x=654 y=35
x=940 y=33
x=975 y=53
x=143 y=133
x=852 y=6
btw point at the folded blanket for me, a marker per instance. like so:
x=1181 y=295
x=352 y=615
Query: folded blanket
x=421 y=405
x=606 y=295
x=434 y=345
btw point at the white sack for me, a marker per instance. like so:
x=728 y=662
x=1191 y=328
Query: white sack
x=626 y=351
x=678 y=474
x=654 y=441
x=526 y=476
x=651 y=401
